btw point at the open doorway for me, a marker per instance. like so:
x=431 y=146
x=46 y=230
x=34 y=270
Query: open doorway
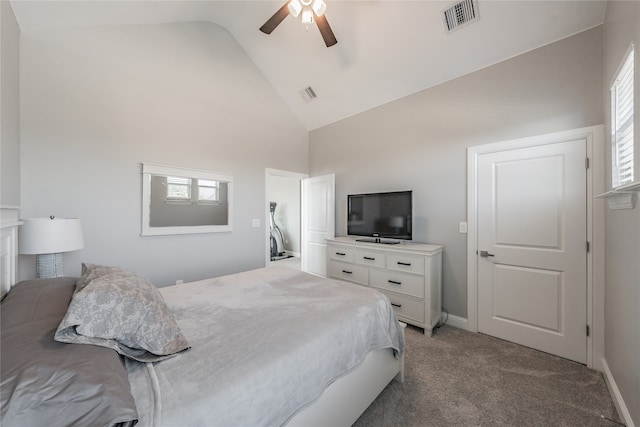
x=283 y=217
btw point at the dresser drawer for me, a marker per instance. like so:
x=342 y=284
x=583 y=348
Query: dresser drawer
x=349 y=272
x=341 y=253
x=407 y=308
x=371 y=258
x=403 y=283
x=408 y=263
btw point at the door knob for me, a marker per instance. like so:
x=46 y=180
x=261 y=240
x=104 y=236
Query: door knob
x=485 y=254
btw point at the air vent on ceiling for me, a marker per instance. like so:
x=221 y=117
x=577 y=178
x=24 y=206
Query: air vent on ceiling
x=308 y=94
x=460 y=14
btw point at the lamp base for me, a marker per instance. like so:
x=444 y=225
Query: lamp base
x=49 y=266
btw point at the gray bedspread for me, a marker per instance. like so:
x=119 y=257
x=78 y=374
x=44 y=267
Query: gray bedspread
x=265 y=343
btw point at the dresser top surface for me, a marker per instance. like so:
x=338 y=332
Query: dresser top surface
x=403 y=246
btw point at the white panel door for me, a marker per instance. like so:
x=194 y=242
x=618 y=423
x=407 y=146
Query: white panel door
x=532 y=234
x=318 y=222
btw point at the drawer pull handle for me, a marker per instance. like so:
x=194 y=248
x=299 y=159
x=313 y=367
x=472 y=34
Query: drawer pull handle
x=340 y=253
x=404 y=263
x=347 y=272
x=395 y=282
x=369 y=258
x=396 y=305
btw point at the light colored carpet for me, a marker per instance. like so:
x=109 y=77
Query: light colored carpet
x=459 y=378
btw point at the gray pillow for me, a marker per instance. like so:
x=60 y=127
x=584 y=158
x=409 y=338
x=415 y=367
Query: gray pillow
x=118 y=309
x=44 y=382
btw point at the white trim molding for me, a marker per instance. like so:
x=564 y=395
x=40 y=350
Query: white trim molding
x=457 y=322
x=616 y=396
x=621 y=197
x=9 y=223
x=594 y=136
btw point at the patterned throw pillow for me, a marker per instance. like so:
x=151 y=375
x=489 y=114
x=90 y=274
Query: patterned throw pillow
x=118 y=309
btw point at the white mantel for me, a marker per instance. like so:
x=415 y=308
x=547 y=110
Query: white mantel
x=9 y=222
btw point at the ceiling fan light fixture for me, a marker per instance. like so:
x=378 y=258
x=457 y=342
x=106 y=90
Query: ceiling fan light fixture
x=294 y=8
x=306 y=8
x=319 y=7
x=307 y=16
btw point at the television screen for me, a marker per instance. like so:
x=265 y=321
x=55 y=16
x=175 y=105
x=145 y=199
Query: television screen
x=380 y=215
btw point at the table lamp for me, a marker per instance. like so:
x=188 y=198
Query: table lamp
x=48 y=238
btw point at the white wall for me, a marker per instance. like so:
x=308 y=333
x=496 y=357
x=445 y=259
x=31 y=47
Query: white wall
x=9 y=107
x=419 y=142
x=96 y=102
x=622 y=227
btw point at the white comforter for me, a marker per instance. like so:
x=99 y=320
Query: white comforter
x=265 y=344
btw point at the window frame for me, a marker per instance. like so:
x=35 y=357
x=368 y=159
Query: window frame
x=151 y=169
x=623 y=134
x=208 y=183
x=187 y=184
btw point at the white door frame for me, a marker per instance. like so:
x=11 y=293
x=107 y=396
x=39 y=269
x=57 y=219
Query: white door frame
x=594 y=136
x=268 y=173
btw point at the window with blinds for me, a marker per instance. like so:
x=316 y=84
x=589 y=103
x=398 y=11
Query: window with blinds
x=622 y=123
x=178 y=188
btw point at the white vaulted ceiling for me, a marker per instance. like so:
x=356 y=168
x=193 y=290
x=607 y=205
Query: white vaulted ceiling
x=386 y=49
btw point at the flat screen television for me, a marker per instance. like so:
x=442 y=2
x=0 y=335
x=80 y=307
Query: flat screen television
x=380 y=215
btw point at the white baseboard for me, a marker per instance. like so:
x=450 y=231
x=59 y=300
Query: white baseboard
x=457 y=321
x=618 y=401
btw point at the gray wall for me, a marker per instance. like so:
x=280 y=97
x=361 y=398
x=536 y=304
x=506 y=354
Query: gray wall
x=96 y=102
x=419 y=142
x=10 y=108
x=622 y=227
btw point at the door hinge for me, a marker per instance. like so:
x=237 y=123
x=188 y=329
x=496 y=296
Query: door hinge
x=586 y=163
x=588 y=246
x=588 y=330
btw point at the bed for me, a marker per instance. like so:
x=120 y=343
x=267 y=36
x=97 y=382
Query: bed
x=272 y=346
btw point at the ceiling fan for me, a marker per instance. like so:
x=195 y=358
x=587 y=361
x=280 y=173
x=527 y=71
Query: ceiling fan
x=312 y=10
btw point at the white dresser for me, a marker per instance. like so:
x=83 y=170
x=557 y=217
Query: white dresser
x=410 y=274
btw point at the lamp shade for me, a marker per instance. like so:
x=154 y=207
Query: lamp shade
x=307 y=16
x=319 y=7
x=49 y=236
x=294 y=8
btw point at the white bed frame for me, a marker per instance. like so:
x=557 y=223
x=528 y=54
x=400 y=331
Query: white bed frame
x=349 y=396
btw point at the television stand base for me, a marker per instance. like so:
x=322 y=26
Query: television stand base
x=379 y=240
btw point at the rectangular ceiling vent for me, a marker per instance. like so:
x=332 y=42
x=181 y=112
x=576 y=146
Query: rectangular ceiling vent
x=460 y=14
x=308 y=94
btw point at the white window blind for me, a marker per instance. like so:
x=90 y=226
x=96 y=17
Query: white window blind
x=622 y=124
x=178 y=188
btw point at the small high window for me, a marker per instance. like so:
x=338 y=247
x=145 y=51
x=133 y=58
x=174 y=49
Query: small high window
x=622 y=140
x=208 y=191
x=178 y=188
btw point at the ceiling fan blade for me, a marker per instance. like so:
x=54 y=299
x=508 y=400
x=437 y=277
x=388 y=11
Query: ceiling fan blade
x=276 y=19
x=325 y=30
